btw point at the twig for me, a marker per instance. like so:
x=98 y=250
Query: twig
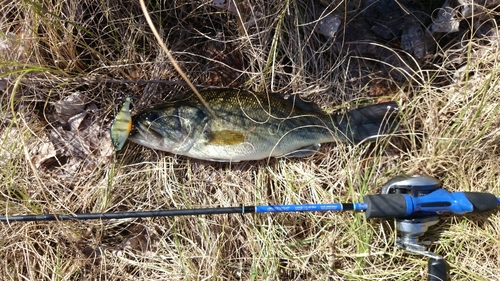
x=171 y=58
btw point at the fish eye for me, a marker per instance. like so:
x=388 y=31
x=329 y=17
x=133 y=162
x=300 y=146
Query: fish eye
x=151 y=116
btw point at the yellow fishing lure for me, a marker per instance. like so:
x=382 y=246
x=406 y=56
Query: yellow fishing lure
x=122 y=125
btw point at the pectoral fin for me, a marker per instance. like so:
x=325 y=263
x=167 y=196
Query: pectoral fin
x=303 y=151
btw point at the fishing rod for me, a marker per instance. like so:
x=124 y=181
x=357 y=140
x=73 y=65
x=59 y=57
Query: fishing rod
x=435 y=202
x=415 y=202
x=376 y=206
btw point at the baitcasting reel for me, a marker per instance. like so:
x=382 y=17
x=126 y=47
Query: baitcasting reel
x=413 y=227
x=416 y=202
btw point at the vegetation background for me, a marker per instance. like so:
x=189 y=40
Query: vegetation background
x=66 y=66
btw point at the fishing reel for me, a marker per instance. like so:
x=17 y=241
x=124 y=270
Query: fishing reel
x=411 y=228
x=416 y=203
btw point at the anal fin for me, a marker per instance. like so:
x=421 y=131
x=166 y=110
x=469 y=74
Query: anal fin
x=303 y=151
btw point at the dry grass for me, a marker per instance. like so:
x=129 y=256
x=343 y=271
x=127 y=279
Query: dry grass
x=60 y=50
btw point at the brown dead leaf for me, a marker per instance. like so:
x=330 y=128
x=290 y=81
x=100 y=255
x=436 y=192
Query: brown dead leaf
x=446 y=19
x=43 y=153
x=12 y=46
x=240 y=8
x=222 y=64
x=141 y=240
x=78 y=144
x=69 y=107
x=3 y=84
x=69 y=143
x=328 y=22
x=228 y=5
x=9 y=137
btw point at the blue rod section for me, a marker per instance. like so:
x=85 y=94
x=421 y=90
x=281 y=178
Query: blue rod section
x=311 y=208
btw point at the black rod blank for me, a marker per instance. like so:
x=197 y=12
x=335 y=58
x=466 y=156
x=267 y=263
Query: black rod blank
x=126 y=215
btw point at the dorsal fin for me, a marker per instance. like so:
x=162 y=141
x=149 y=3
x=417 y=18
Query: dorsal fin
x=296 y=101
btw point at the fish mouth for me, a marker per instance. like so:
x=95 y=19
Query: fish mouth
x=145 y=135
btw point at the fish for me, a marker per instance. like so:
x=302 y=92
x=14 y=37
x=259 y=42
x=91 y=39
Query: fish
x=122 y=125
x=254 y=126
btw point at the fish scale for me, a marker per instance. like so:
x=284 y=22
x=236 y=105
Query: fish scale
x=253 y=126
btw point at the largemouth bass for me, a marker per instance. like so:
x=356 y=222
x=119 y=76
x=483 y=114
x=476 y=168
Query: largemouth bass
x=252 y=126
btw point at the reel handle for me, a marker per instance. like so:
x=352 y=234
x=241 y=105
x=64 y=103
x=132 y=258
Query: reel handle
x=432 y=204
x=437 y=270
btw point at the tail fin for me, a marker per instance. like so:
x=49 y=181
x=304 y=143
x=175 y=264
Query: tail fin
x=369 y=123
